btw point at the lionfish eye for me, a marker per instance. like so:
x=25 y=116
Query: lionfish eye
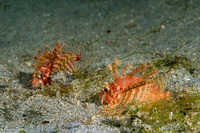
x=106 y=90
x=41 y=75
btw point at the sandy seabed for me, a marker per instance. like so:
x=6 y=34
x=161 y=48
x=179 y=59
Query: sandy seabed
x=100 y=30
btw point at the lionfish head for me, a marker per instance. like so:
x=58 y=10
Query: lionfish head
x=109 y=94
x=40 y=78
x=37 y=79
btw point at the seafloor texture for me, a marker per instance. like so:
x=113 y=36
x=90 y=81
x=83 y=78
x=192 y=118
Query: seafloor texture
x=137 y=31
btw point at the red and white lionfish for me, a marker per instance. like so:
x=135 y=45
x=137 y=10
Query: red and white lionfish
x=52 y=60
x=136 y=85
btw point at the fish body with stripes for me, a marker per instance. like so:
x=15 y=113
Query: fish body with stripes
x=51 y=60
x=134 y=86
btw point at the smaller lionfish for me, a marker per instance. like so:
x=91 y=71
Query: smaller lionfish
x=51 y=60
x=136 y=85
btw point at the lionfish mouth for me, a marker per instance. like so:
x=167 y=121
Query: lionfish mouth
x=36 y=83
x=101 y=97
x=101 y=101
